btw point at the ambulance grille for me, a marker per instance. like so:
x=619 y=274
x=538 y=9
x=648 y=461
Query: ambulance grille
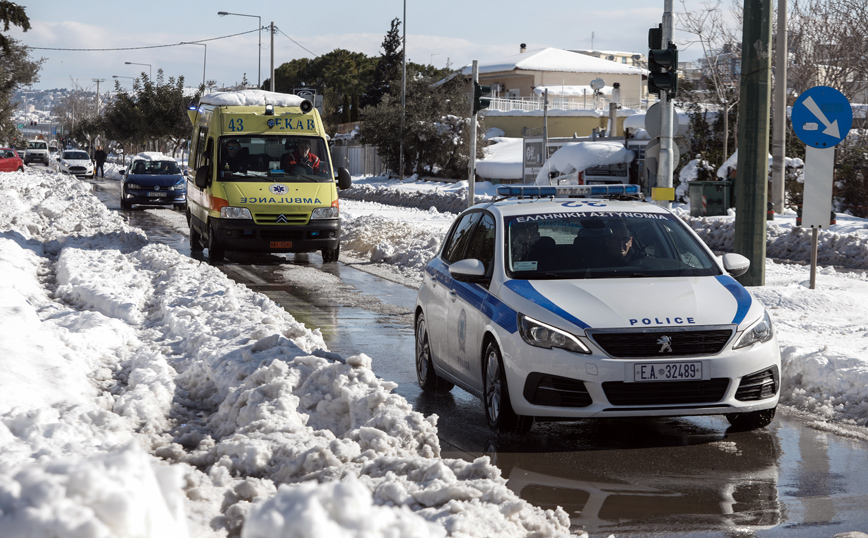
x=274 y=218
x=666 y=392
x=651 y=343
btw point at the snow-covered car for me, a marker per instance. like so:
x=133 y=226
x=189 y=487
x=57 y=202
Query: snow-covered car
x=37 y=150
x=75 y=162
x=550 y=306
x=153 y=179
x=10 y=161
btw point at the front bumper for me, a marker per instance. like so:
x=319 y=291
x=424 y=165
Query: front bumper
x=246 y=235
x=152 y=197
x=558 y=383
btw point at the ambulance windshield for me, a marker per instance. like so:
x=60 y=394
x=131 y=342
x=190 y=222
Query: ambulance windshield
x=287 y=158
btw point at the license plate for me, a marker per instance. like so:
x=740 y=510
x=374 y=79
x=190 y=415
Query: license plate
x=667 y=371
x=158 y=194
x=281 y=244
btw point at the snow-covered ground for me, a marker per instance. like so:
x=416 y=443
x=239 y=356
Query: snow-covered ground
x=145 y=394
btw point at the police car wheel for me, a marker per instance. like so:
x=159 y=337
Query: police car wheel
x=751 y=421
x=498 y=409
x=215 y=250
x=425 y=374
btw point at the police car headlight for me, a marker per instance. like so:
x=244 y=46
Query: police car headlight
x=325 y=213
x=235 y=213
x=539 y=334
x=761 y=332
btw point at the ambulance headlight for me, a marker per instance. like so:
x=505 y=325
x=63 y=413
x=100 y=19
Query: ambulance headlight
x=539 y=334
x=325 y=213
x=760 y=332
x=235 y=213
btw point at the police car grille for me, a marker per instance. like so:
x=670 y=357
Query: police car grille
x=758 y=386
x=543 y=389
x=666 y=392
x=647 y=344
x=271 y=218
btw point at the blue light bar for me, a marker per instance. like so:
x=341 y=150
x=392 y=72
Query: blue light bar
x=565 y=191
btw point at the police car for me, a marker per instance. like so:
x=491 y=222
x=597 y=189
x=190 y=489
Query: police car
x=581 y=301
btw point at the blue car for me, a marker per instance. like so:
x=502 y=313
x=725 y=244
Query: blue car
x=153 y=181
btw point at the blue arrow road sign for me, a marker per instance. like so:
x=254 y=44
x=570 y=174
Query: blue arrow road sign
x=822 y=117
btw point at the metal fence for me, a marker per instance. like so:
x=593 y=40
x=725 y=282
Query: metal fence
x=359 y=160
x=589 y=102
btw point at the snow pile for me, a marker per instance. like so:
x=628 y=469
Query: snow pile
x=146 y=394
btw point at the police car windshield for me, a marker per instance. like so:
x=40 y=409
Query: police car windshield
x=278 y=158
x=603 y=245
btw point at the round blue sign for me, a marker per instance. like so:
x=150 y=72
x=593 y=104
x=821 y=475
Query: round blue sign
x=822 y=117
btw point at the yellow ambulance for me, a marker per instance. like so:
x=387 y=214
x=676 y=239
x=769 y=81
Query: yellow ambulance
x=263 y=180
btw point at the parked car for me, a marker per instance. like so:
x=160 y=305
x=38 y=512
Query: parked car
x=549 y=306
x=37 y=150
x=75 y=162
x=153 y=179
x=10 y=161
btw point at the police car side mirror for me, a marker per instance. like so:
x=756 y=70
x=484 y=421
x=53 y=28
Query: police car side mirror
x=344 y=178
x=735 y=264
x=201 y=178
x=469 y=270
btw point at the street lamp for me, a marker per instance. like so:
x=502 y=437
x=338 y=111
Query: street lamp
x=204 y=60
x=150 y=74
x=259 y=65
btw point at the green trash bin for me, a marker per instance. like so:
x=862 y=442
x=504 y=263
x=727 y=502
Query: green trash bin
x=709 y=198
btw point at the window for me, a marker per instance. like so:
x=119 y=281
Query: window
x=481 y=245
x=459 y=237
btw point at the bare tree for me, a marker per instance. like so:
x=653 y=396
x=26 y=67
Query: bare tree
x=720 y=64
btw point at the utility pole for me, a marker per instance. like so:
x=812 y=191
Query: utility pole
x=403 y=92
x=471 y=180
x=751 y=184
x=779 y=129
x=97 y=80
x=271 y=26
x=665 y=165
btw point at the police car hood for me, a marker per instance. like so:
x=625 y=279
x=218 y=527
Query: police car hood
x=636 y=302
x=271 y=193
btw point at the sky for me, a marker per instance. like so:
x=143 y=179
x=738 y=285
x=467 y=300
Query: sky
x=447 y=32
x=146 y=394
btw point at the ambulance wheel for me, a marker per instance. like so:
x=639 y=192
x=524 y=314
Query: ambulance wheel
x=498 y=409
x=425 y=374
x=751 y=421
x=331 y=255
x=215 y=250
x=195 y=240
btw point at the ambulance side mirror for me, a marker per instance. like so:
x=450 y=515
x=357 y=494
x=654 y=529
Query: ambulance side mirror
x=345 y=181
x=202 y=174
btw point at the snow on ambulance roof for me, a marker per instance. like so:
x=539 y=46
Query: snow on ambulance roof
x=250 y=98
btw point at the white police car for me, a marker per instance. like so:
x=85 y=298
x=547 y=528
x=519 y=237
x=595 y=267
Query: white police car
x=547 y=304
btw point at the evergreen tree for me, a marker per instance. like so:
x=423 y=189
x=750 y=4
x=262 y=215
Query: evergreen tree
x=389 y=67
x=16 y=68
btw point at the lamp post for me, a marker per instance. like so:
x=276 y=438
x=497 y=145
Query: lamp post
x=259 y=64
x=204 y=60
x=150 y=74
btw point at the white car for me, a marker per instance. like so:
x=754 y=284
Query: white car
x=37 y=150
x=75 y=162
x=550 y=306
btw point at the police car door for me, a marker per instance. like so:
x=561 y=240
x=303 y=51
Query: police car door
x=465 y=318
x=441 y=286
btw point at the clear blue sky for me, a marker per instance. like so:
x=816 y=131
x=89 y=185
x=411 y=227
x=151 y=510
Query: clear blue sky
x=438 y=31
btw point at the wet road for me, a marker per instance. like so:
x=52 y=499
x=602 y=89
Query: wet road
x=627 y=477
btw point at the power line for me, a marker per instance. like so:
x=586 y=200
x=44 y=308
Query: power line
x=149 y=47
x=297 y=43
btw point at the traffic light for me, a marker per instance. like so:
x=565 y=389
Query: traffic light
x=662 y=64
x=480 y=102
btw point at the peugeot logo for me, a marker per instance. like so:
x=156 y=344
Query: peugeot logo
x=281 y=219
x=665 y=344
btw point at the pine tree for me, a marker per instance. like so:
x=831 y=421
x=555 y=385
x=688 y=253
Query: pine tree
x=388 y=69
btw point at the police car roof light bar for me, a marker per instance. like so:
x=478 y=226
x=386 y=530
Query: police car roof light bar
x=565 y=191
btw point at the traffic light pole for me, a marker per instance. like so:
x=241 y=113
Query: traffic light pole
x=471 y=180
x=665 y=165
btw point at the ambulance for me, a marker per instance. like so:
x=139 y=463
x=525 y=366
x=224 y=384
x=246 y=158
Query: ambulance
x=262 y=178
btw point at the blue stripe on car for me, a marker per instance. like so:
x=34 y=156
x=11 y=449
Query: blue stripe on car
x=476 y=297
x=742 y=297
x=526 y=290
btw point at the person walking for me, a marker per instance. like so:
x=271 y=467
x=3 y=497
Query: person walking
x=100 y=158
